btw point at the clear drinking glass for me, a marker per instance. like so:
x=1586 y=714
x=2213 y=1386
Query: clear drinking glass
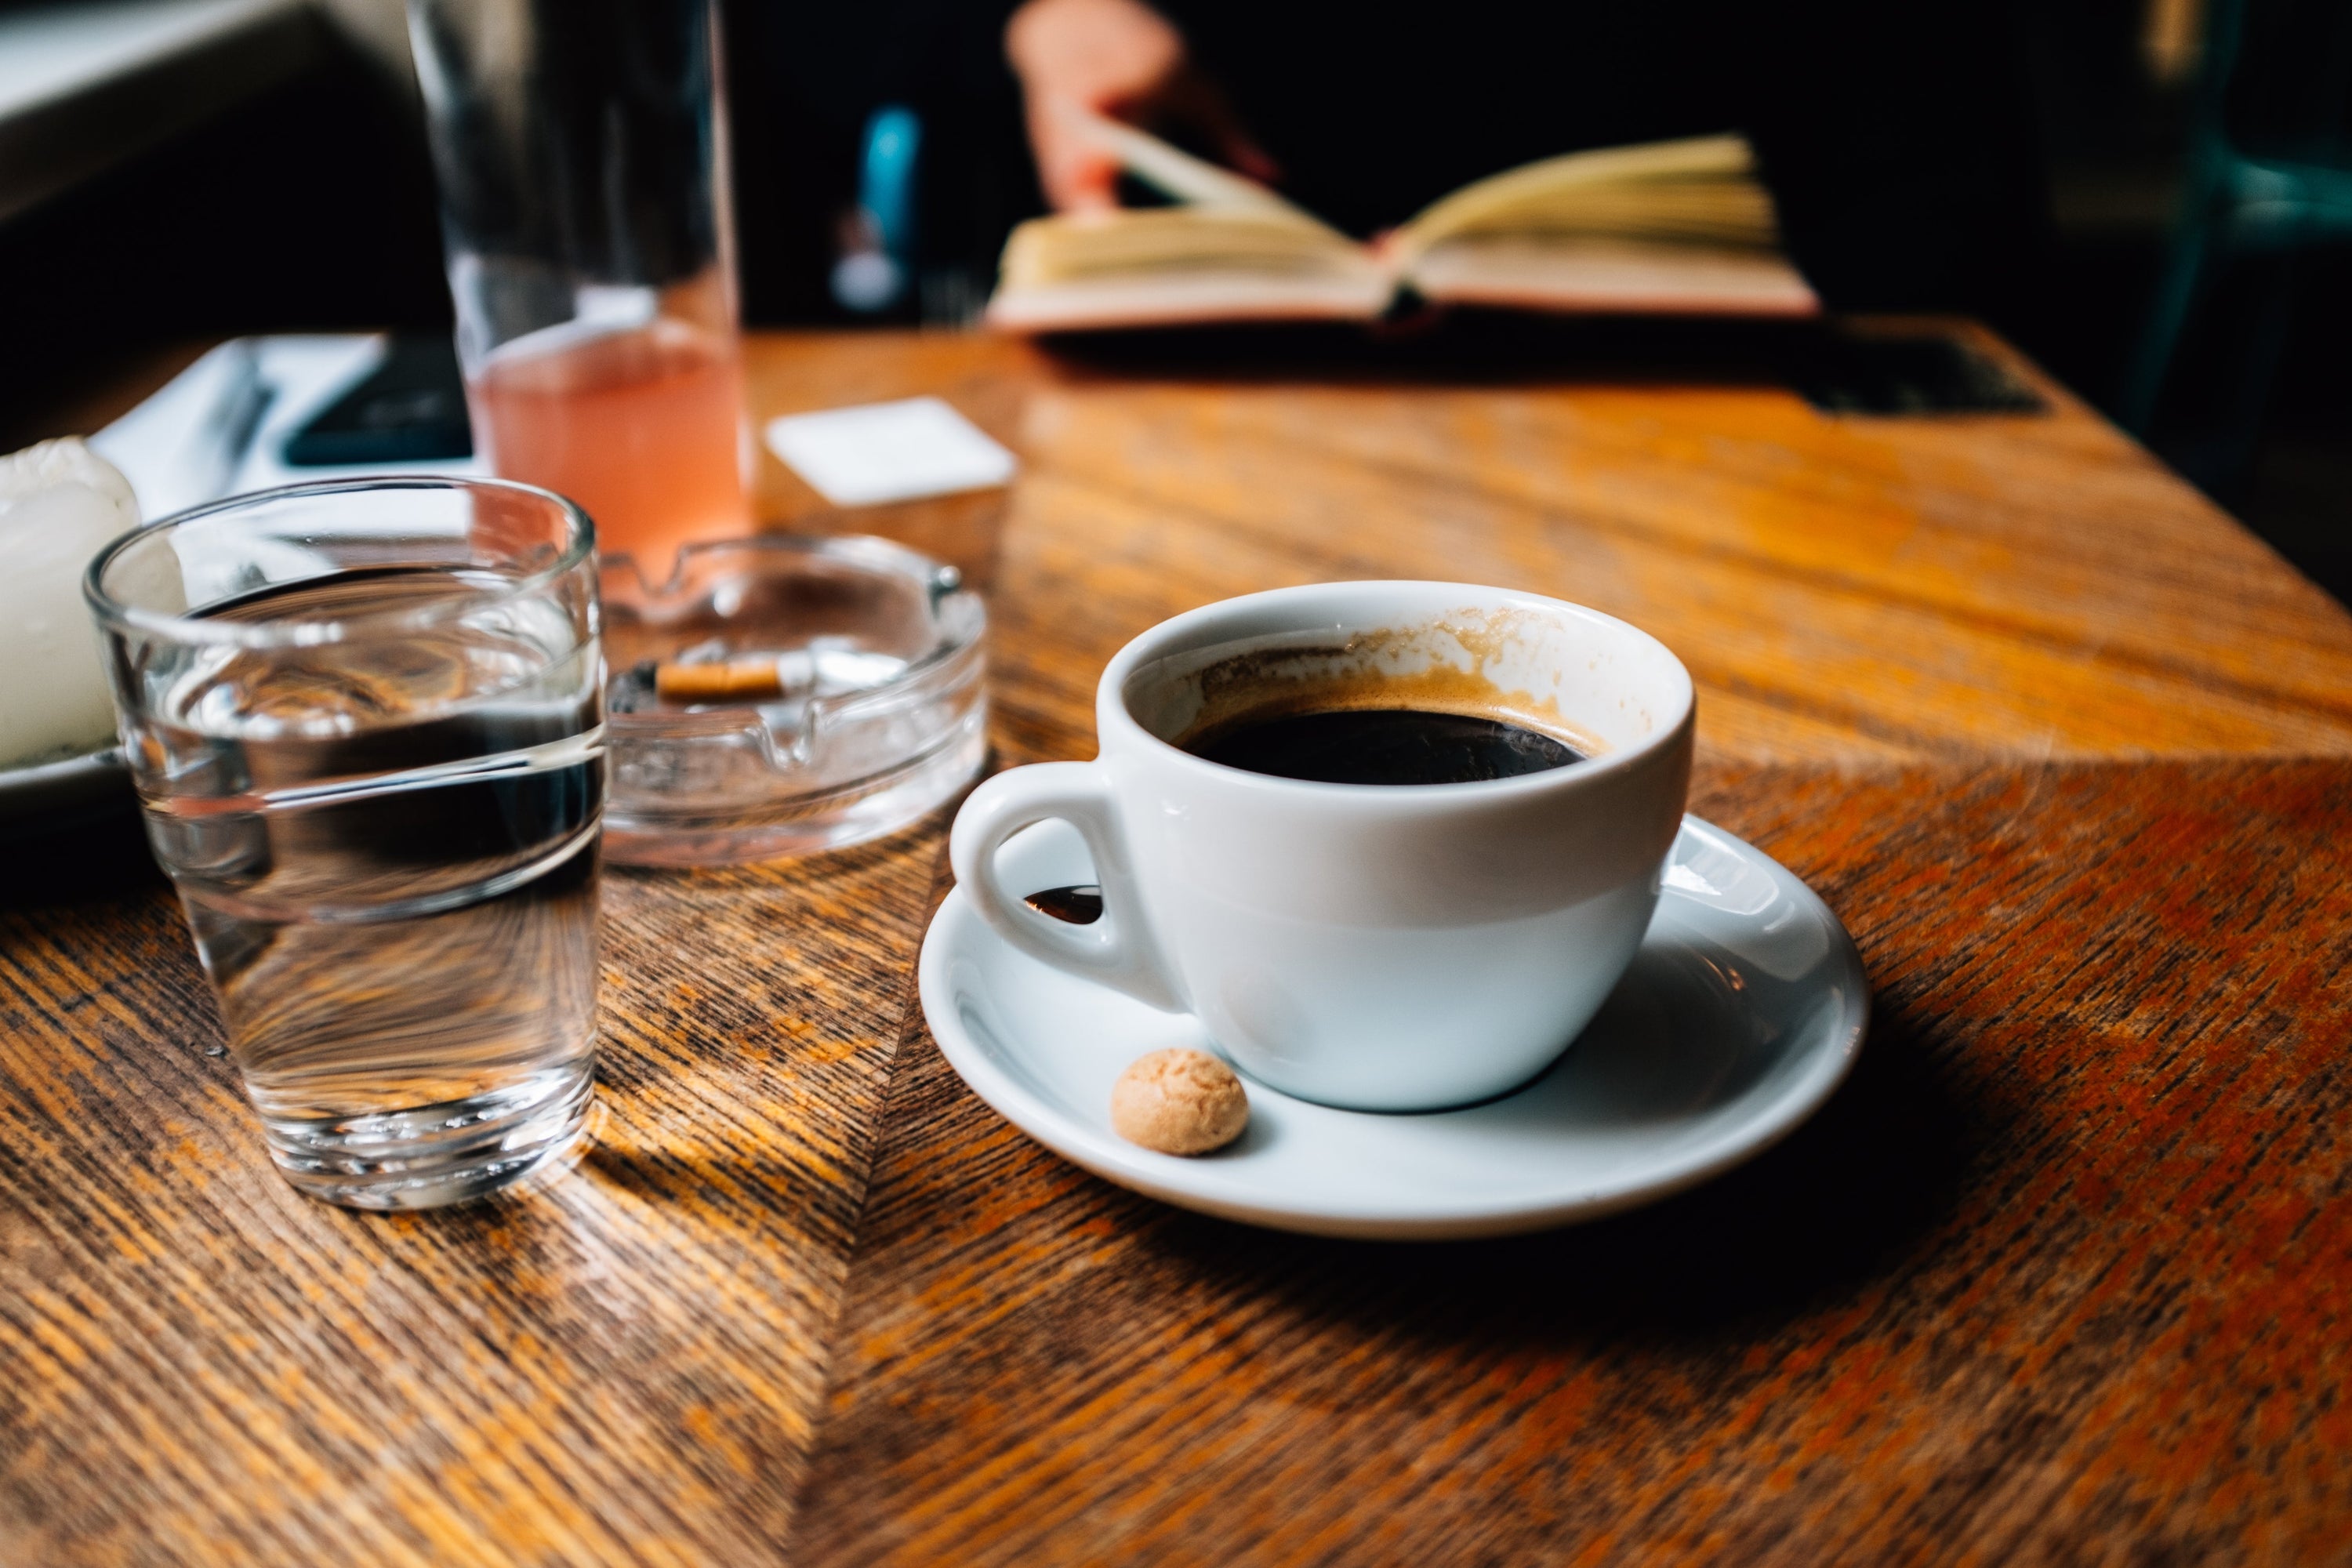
x=581 y=156
x=366 y=722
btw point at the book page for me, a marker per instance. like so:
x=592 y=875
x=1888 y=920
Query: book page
x=1701 y=191
x=1233 y=251
x=1156 y=264
x=1173 y=172
x=1184 y=301
x=1071 y=247
x=1609 y=276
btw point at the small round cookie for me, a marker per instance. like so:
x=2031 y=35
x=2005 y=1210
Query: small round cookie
x=1179 y=1102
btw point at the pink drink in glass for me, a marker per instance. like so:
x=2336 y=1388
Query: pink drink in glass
x=644 y=427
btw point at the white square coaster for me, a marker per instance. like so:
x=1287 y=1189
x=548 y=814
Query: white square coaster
x=889 y=451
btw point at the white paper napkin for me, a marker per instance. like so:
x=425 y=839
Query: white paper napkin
x=880 y=452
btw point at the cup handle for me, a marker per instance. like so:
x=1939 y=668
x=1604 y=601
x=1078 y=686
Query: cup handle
x=1115 y=951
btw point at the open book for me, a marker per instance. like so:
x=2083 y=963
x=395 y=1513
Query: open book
x=1682 y=228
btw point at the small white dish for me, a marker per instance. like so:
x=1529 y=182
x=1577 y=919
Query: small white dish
x=1742 y=1011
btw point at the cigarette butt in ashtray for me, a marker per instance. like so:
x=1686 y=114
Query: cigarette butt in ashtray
x=727 y=681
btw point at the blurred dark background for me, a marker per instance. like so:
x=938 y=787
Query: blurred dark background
x=2081 y=153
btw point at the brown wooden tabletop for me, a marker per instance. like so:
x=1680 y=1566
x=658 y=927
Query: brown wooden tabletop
x=2064 y=1273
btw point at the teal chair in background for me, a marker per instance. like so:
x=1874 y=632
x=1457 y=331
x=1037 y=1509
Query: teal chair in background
x=2237 y=205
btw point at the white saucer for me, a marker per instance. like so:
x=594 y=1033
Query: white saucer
x=1742 y=1011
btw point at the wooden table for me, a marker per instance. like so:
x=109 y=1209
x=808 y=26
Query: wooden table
x=2063 y=1273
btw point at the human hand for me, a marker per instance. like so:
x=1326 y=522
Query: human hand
x=1115 y=57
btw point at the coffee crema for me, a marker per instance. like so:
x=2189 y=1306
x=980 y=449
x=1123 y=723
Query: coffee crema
x=1382 y=746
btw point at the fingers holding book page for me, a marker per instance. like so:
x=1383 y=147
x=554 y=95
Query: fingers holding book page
x=1082 y=59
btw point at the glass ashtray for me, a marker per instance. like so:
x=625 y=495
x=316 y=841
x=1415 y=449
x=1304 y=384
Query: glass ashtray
x=780 y=694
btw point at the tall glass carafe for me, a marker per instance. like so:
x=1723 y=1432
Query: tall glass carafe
x=581 y=154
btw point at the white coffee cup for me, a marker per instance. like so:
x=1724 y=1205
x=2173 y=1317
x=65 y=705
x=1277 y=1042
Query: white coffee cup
x=1373 y=946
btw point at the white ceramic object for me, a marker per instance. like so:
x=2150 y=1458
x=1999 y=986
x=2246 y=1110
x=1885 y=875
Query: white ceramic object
x=1383 y=948
x=1740 y=1014
x=59 y=504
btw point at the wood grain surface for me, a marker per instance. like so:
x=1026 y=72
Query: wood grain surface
x=2061 y=1276
x=620 y=1366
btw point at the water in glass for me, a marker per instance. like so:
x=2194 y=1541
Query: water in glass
x=387 y=851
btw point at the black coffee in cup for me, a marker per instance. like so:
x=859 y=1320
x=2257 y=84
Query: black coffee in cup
x=1382 y=746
